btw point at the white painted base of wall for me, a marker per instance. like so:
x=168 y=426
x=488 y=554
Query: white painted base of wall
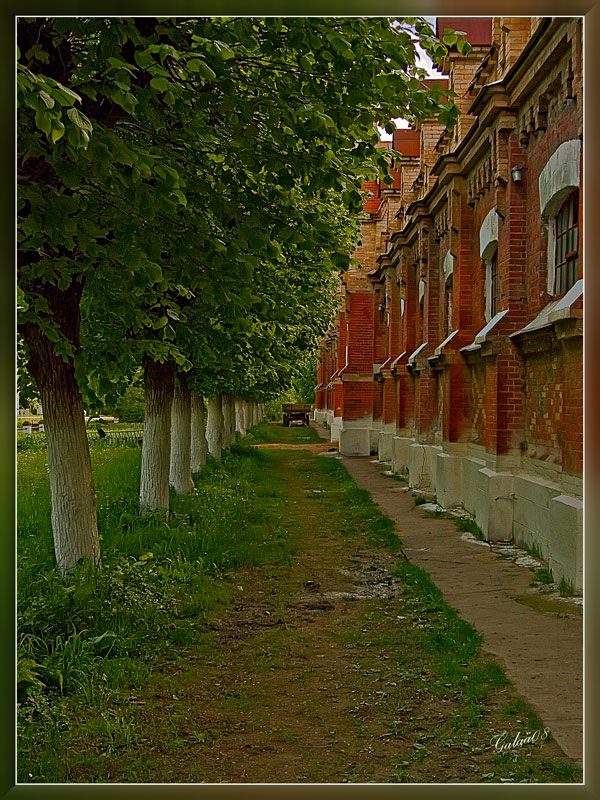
x=376 y=428
x=400 y=445
x=320 y=415
x=565 y=545
x=384 y=442
x=422 y=466
x=355 y=437
x=335 y=426
x=532 y=510
x=448 y=478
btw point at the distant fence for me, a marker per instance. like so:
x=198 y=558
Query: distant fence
x=97 y=438
x=119 y=437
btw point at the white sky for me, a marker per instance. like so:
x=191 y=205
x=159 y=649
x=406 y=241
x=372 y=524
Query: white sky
x=425 y=62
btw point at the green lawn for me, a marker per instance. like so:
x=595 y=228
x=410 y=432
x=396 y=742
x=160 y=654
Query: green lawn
x=276 y=432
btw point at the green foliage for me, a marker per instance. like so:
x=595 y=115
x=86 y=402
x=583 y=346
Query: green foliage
x=202 y=177
x=306 y=379
x=470 y=526
x=130 y=407
x=566 y=588
x=543 y=576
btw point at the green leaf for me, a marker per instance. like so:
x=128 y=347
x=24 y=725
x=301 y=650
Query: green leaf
x=202 y=68
x=180 y=196
x=340 y=260
x=58 y=130
x=154 y=271
x=143 y=58
x=449 y=39
x=46 y=99
x=160 y=84
x=44 y=122
x=66 y=97
x=160 y=323
x=79 y=119
x=223 y=50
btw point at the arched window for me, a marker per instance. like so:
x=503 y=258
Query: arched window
x=488 y=249
x=558 y=186
x=449 y=305
x=566 y=244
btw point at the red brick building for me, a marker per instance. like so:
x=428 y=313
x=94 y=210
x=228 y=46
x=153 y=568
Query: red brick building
x=456 y=354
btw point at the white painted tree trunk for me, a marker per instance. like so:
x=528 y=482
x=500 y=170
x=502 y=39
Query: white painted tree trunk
x=240 y=425
x=74 y=523
x=214 y=426
x=180 y=473
x=225 y=413
x=72 y=491
x=233 y=429
x=156 y=445
x=246 y=415
x=228 y=420
x=199 y=443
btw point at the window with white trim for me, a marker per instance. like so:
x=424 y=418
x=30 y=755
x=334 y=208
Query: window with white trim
x=449 y=305
x=566 y=245
x=488 y=250
x=558 y=187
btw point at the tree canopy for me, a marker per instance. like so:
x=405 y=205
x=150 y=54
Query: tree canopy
x=200 y=175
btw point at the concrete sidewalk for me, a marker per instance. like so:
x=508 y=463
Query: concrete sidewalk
x=540 y=650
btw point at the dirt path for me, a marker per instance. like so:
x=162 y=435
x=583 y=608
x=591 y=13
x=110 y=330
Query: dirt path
x=541 y=649
x=320 y=447
x=319 y=673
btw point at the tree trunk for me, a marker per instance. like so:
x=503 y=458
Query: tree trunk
x=240 y=425
x=214 y=426
x=72 y=492
x=228 y=422
x=180 y=473
x=156 y=444
x=199 y=444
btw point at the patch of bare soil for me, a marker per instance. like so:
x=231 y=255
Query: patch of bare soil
x=318 y=447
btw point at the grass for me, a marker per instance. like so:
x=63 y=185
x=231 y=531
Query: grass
x=543 y=576
x=83 y=640
x=566 y=588
x=470 y=526
x=272 y=433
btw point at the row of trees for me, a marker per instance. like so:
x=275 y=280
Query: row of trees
x=187 y=190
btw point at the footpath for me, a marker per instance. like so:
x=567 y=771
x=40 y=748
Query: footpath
x=539 y=643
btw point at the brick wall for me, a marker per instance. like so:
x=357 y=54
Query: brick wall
x=505 y=395
x=544 y=405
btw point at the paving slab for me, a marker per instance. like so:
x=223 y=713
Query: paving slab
x=541 y=651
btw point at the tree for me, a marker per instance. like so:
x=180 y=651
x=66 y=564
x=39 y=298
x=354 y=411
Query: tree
x=168 y=168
